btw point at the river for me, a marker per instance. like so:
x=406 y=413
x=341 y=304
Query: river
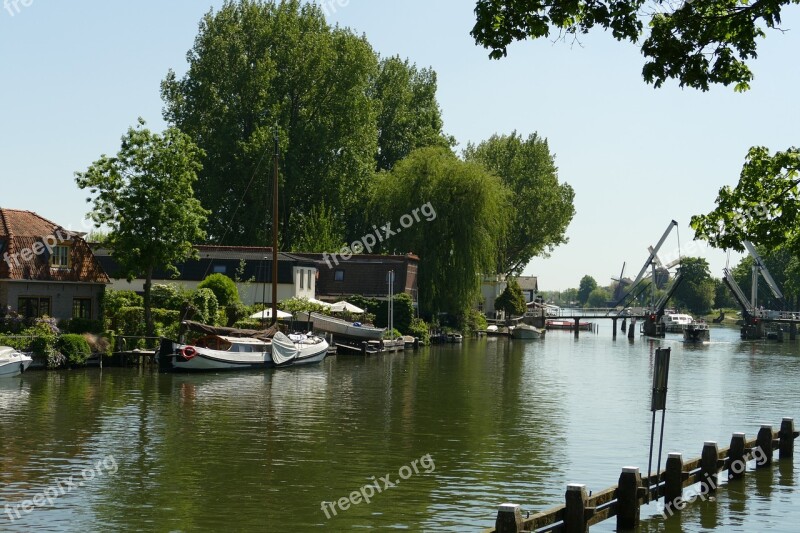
x=435 y=439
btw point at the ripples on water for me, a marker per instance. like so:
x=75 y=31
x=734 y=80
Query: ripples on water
x=502 y=421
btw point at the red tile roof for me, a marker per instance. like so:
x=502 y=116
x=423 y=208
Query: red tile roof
x=26 y=240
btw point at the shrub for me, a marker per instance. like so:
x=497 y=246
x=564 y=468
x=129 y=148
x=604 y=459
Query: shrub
x=418 y=328
x=236 y=312
x=474 y=321
x=74 y=348
x=168 y=296
x=81 y=325
x=113 y=301
x=249 y=323
x=223 y=288
x=205 y=306
x=43 y=342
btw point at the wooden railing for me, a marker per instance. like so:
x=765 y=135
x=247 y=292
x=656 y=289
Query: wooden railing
x=581 y=510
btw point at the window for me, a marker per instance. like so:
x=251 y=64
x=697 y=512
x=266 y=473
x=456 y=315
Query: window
x=60 y=257
x=220 y=269
x=309 y=278
x=301 y=279
x=33 y=306
x=338 y=275
x=81 y=308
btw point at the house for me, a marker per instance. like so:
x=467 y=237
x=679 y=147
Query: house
x=364 y=274
x=491 y=288
x=529 y=286
x=47 y=269
x=249 y=266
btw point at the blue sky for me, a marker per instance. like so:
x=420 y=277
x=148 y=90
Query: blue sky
x=76 y=74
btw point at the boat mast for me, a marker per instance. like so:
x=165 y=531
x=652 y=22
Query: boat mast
x=275 y=232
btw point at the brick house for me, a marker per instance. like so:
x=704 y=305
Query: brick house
x=47 y=269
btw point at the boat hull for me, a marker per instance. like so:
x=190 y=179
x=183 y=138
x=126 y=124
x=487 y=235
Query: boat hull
x=12 y=362
x=526 y=332
x=343 y=328
x=172 y=358
x=693 y=333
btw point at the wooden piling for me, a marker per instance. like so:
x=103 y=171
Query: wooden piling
x=628 y=489
x=787 y=435
x=673 y=478
x=632 y=328
x=614 y=328
x=764 y=441
x=576 y=499
x=416 y=343
x=364 y=348
x=577 y=327
x=737 y=465
x=792 y=331
x=709 y=464
x=509 y=519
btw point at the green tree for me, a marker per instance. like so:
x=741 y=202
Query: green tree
x=585 y=288
x=696 y=291
x=409 y=116
x=255 y=65
x=319 y=232
x=542 y=207
x=599 y=297
x=722 y=295
x=698 y=43
x=439 y=193
x=146 y=231
x=511 y=300
x=223 y=288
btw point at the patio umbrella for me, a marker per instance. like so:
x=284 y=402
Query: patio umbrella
x=339 y=307
x=318 y=302
x=267 y=313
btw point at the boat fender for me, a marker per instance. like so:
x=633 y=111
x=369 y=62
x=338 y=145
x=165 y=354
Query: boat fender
x=188 y=352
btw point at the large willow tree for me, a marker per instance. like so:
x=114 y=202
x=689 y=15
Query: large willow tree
x=542 y=208
x=461 y=209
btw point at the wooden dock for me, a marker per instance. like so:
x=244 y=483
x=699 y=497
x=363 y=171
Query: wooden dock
x=623 y=501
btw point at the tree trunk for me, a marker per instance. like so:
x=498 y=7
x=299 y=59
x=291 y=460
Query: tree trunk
x=148 y=314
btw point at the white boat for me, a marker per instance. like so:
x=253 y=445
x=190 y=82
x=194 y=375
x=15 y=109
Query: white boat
x=676 y=322
x=524 y=331
x=223 y=352
x=12 y=362
x=696 y=332
x=344 y=328
x=455 y=337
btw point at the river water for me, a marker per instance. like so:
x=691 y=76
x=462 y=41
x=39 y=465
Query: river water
x=455 y=429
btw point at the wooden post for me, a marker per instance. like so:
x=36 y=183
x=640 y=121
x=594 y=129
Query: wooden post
x=614 y=328
x=764 y=441
x=631 y=328
x=576 y=499
x=787 y=435
x=673 y=478
x=509 y=519
x=709 y=464
x=628 y=511
x=792 y=331
x=416 y=343
x=624 y=326
x=577 y=326
x=364 y=348
x=737 y=465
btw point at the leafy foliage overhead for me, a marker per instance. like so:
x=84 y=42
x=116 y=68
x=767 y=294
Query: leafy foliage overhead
x=764 y=207
x=698 y=43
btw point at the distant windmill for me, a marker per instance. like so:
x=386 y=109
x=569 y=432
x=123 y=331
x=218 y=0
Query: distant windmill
x=622 y=282
x=661 y=274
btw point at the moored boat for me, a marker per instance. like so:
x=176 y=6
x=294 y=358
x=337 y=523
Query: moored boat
x=229 y=349
x=12 y=362
x=524 y=331
x=567 y=324
x=344 y=328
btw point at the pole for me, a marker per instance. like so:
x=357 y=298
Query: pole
x=275 y=232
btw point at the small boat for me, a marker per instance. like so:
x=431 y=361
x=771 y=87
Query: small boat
x=223 y=349
x=343 y=328
x=524 y=331
x=12 y=362
x=696 y=332
x=454 y=337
